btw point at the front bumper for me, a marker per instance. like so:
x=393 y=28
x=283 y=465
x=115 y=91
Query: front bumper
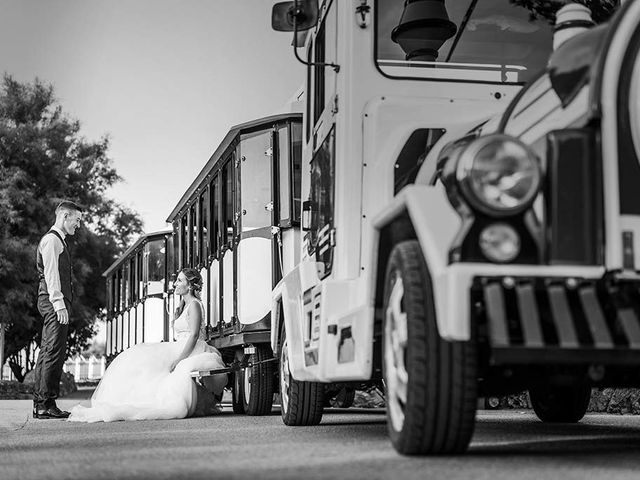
x=557 y=320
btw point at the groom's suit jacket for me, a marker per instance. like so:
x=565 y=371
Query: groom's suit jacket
x=53 y=261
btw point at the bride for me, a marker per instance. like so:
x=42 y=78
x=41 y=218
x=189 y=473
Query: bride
x=153 y=380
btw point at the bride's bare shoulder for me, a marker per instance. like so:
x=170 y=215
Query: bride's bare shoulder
x=196 y=307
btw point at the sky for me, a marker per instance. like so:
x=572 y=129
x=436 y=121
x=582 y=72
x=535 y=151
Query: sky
x=164 y=79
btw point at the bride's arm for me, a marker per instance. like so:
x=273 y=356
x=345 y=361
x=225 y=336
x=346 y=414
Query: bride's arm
x=194 y=319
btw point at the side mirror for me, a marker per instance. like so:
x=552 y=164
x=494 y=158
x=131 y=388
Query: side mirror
x=307 y=216
x=304 y=12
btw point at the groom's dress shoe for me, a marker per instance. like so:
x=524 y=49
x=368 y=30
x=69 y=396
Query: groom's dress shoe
x=52 y=412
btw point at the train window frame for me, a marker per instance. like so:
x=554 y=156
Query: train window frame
x=192 y=236
x=203 y=227
x=169 y=264
x=126 y=275
x=133 y=288
x=310 y=86
x=296 y=173
x=214 y=213
x=283 y=177
x=227 y=202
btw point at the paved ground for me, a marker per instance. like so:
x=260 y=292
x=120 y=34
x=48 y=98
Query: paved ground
x=506 y=445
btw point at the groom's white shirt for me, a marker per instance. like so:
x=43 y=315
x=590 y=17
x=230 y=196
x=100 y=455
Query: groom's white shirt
x=50 y=248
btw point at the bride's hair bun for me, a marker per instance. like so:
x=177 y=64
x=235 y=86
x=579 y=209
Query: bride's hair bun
x=195 y=280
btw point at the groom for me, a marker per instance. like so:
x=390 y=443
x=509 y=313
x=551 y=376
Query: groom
x=55 y=294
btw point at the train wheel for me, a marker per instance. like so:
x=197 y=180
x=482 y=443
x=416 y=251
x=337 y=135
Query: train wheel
x=237 y=393
x=560 y=404
x=302 y=402
x=258 y=383
x=430 y=383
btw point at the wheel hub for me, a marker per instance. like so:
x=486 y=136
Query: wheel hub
x=285 y=379
x=395 y=343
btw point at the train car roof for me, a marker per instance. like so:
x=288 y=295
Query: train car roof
x=141 y=239
x=221 y=150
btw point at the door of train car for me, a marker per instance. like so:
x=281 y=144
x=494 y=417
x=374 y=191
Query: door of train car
x=254 y=225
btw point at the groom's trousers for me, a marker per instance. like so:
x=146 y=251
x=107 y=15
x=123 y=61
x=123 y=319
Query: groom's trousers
x=51 y=356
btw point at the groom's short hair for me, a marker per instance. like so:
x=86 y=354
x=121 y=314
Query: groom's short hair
x=68 y=206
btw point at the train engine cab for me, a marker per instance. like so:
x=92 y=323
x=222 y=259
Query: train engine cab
x=464 y=235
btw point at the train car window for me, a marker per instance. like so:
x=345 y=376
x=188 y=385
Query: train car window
x=156 y=266
x=184 y=227
x=132 y=280
x=309 y=89
x=169 y=267
x=121 y=294
x=116 y=290
x=256 y=201
x=126 y=278
x=179 y=243
x=109 y=296
x=156 y=260
x=192 y=259
x=214 y=213
x=203 y=226
x=284 y=176
x=227 y=203
x=139 y=281
x=296 y=168
x=318 y=74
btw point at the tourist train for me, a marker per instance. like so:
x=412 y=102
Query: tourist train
x=452 y=214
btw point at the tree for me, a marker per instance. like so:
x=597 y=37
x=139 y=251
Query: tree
x=601 y=10
x=44 y=159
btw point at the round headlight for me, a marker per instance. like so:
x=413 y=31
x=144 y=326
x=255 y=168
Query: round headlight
x=499 y=242
x=499 y=175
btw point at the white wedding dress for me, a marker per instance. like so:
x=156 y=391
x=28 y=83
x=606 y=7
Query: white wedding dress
x=138 y=385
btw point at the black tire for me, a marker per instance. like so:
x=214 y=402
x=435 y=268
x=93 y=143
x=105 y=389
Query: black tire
x=301 y=402
x=258 y=383
x=560 y=404
x=438 y=414
x=237 y=390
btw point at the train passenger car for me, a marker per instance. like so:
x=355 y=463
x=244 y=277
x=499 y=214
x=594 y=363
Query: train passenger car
x=238 y=223
x=136 y=286
x=440 y=260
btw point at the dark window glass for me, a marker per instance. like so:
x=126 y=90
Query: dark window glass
x=296 y=168
x=203 y=231
x=192 y=237
x=139 y=280
x=132 y=277
x=284 y=175
x=184 y=227
x=215 y=215
x=227 y=203
x=309 y=89
x=170 y=268
x=319 y=74
x=322 y=186
x=109 y=296
x=127 y=285
x=156 y=249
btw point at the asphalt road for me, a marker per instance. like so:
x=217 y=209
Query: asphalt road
x=345 y=445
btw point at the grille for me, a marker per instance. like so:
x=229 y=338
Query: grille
x=558 y=320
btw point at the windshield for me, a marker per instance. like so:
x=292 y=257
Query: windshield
x=482 y=40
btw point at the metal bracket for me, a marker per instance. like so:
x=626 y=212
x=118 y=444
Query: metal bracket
x=235 y=366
